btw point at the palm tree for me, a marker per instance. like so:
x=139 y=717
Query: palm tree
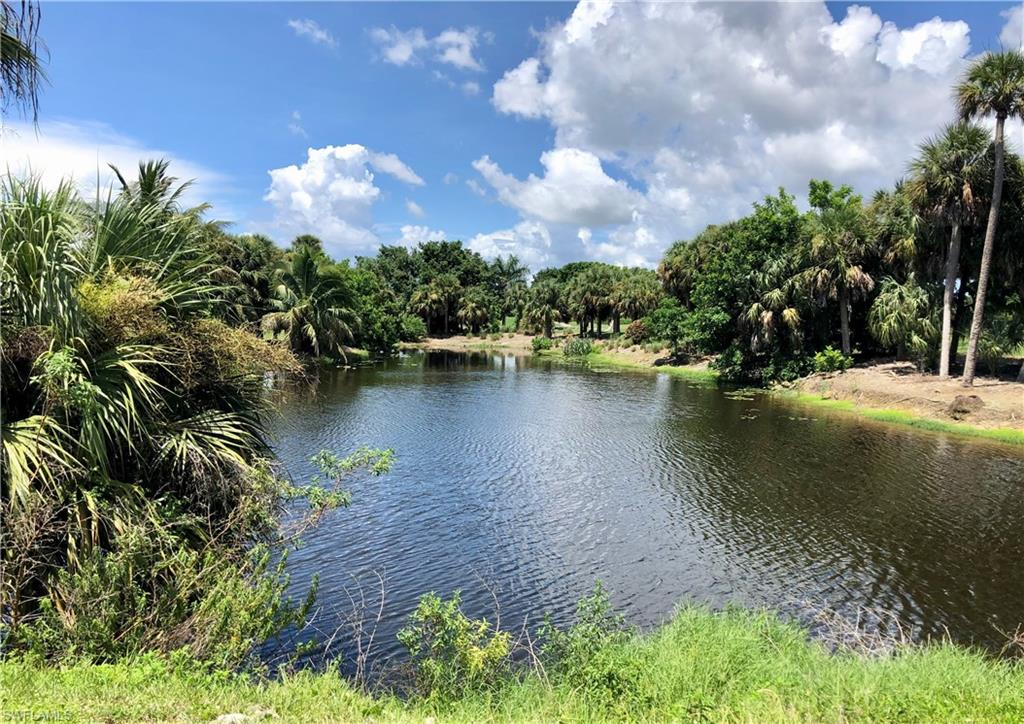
x=314 y=307
x=992 y=85
x=633 y=295
x=543 y=308
x=426 y=302
x=945 y=176
x=838 y=249
x=473 y=309
x=900 y=317
x=449 y=291
x=21 y=72
x=779 y=295
x=104 y=417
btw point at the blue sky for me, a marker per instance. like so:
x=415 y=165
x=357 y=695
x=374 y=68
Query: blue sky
x=649 y=129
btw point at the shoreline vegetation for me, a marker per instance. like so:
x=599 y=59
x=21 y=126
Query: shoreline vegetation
x=147 y=522
x=733 y=665
x=883 y=392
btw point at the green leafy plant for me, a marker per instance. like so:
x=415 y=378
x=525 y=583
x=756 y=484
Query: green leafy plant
x=540 y=344
x=591 y=655
x=577 y=347
x=831 y=360
x=451 y=653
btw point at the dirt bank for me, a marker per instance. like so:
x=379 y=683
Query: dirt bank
x=990 y=403
x=508 y=342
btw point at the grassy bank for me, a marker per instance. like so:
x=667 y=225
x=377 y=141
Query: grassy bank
x=612 y=360
x=731 y=666
x=901 y=417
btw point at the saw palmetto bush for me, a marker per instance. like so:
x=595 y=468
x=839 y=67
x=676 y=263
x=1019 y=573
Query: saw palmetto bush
x=133 y=445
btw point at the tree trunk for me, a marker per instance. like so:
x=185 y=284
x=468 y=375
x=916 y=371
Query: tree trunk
x=958 y=316
x=548 y=324
x=844 y=318
x=599 y=328
x=616 y=318
x=583 y=326
x=986 y=257
x=952 y=264
x=1020 y=375
x=446 y=320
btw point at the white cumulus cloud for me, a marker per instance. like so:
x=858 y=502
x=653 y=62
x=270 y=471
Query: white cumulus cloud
x=528 y=240
x=332 y=194
x=82 y=150
x=574 y=189
x=705 y=108
x=413 y=235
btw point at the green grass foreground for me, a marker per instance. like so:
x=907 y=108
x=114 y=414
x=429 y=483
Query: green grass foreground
x=731 y=666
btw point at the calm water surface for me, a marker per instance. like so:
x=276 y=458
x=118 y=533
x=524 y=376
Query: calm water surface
x=533 y=480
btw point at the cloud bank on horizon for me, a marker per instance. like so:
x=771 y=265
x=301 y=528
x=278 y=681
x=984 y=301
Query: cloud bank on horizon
x=664 y=117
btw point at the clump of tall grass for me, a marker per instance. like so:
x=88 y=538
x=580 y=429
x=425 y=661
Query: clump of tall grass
x=577 y=347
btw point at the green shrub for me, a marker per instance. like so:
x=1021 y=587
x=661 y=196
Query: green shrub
x=451 y=653
x=593 y=655
x=413 y=328
x=638 y=331
x=540 y=344
x=577 y=347
x=831 y=360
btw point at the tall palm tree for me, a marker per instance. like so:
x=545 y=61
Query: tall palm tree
x=839 y=246
x=543 y=308
x=314 y=307
x=992 y=85
x=449 y=290
x=21 y=71
x=945 y=177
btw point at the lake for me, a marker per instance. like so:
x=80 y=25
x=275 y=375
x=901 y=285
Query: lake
x=524 y=481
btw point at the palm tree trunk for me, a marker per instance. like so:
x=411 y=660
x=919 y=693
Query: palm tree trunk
x=445 y=320
x=844 y=318
x=548 y=324
x=958 y=316
x=583 y=326
x=986 y=257
x=616 y=319
x=599 y=328
x=952 y=264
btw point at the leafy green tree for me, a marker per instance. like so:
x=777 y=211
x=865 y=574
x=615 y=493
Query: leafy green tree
x=946 y=175
x=314 y=307
x=669 y=323
x=992 y=86
x=838 y=250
